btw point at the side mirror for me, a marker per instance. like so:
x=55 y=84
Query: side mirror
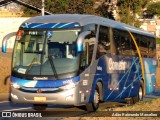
x=4 y=42
x=80 y=40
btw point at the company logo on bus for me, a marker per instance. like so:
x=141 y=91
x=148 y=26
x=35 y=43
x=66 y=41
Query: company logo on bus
x=114 y=65
x=40 y=78
x=39 y=91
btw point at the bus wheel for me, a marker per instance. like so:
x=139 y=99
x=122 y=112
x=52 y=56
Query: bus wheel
x=139 y=97
x=95 y=104
x=129 y=101
x=39 y=107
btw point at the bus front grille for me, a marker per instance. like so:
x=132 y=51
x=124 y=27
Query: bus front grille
x=40 y=90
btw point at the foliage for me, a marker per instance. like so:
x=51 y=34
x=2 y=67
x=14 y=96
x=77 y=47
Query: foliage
x=130 y=9
x=63 y=7
x=81 y=7
x=158 y=41
x=102 y=11
x=29 y=12
x=153 y=9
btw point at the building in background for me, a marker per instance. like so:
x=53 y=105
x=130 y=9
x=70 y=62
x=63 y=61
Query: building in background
x=151 y=25
x=11 y=10
x=11 y=6
x=8 y=25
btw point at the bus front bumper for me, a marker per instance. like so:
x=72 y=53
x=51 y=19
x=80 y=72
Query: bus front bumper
x=65 y=97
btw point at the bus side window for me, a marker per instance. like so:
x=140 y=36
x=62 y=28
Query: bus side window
x=126 y=44
x=133 y=46
x=143 y=46
x=103 y=42
x=116 y=37
x=123 y=42
x=133 y=49
x=151 y=47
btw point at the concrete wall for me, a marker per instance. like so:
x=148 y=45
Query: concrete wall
x=8 y=25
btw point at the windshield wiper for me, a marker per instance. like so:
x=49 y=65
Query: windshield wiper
x=30 y=66
x=52 y=65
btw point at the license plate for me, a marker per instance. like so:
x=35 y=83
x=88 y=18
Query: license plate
x=40 y=99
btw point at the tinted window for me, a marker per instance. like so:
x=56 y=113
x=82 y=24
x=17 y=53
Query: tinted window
x=151 y=47
x=146 y=45
x=103 y=42
x=123 y=42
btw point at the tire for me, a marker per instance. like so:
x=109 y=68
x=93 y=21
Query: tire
x=129 y=101
x=95 y=104
x=139 y=97
x=39 y=107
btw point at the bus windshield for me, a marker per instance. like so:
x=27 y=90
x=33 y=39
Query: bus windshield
x=46 y=53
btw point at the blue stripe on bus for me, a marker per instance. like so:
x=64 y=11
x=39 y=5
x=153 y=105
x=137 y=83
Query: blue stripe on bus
x=131 y=84
x=120 y=95
x=130 y=79
x=50 y=25
x=125 y=79
x=44 y=83
x=126 y=73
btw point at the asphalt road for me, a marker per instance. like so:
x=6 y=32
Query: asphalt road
x=65 y=111
x=56 y=110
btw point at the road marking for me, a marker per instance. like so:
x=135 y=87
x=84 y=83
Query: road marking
x=18 y=109
x=4 y=101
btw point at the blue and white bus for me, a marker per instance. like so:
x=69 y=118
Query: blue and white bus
x=81 y=60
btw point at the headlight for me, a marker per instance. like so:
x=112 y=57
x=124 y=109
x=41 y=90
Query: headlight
x=69 y=86
x=15 y=85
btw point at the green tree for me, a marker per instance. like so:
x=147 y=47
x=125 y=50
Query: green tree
x=130 y=9
x=62 y=7
x=102 y=10
x=81 y=7
x=153 y=9
x=158 y=40
x=29 y=12
x=56 y=6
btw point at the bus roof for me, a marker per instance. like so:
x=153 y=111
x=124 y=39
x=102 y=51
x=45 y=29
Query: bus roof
x=86 y=19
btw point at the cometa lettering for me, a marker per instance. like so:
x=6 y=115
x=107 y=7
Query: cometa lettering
x=113 y=65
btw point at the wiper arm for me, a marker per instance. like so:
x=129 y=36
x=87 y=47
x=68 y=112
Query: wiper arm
x=52 y=65
x=30 y=66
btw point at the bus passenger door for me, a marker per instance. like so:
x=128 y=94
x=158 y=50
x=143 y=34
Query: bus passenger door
x=86 y=56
